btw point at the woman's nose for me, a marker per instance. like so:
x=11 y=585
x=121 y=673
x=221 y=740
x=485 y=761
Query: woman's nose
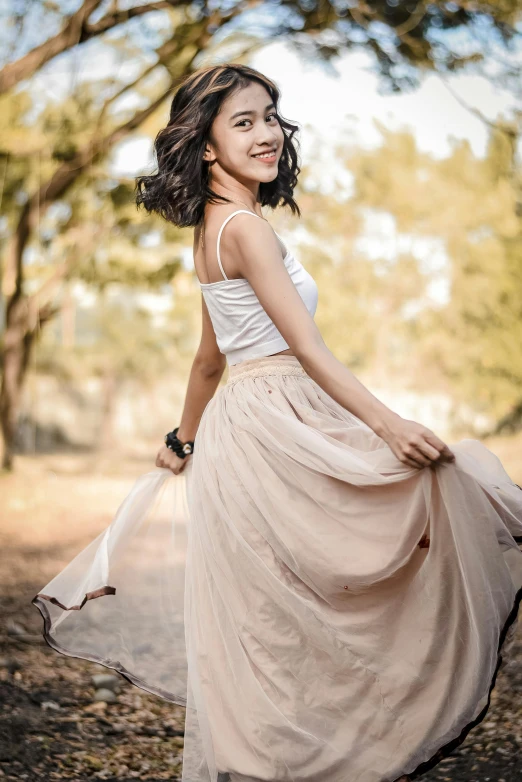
x=266 y=135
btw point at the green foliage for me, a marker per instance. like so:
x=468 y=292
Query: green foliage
x=96 y=230
x=468 y=345
x=375 y=312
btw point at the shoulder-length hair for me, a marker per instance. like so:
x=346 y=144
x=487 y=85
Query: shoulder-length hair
x=180 y=188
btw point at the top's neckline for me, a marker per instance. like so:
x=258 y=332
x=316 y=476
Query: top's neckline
x=233 y=279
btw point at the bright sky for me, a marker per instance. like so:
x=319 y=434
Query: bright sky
x=330 y=107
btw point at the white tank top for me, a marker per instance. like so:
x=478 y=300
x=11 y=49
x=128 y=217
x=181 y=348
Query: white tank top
x=242 y=327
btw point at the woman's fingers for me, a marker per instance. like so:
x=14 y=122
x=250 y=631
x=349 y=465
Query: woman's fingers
x=413 y=453
x=415 y=445
x=446 y=454
x=412 y=458
x=411 y=462
x=426 y=451
x=167 y=458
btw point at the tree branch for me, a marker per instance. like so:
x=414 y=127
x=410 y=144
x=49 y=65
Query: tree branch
x=116 y=18
x=76 y=31
x=69 y=170
x=69 y=36
x=56 y=186
x=511 y=133
x=416 y=17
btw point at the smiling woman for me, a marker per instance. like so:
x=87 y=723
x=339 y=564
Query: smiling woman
x=345 y=586
x=191 y=176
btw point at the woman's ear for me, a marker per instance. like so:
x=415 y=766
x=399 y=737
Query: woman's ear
x=207 y=154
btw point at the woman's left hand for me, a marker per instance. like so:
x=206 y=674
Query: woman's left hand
x=167 y=458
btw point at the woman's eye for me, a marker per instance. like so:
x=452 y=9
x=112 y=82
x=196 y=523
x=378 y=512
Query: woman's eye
x=240 y=124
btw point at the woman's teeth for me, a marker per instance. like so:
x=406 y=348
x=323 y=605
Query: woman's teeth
x=266 y=154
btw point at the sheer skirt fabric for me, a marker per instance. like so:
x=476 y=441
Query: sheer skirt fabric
x=324 y=612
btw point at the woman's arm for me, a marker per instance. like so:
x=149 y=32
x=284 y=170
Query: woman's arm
x=260 y=263
x=206 y=372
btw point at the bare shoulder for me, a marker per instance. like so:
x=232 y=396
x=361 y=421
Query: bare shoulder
x=232 y=230
x=245 y=221
x=242 y=222
x=252 y=237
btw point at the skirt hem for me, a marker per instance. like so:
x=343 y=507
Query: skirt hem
x=451 y=745
x=422 y=768
x=38 y=601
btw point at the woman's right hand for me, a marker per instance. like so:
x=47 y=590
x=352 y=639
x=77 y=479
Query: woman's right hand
x=414 y=444
x=167 y=458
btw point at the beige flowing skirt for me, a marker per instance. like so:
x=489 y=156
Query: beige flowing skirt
x=324 y=612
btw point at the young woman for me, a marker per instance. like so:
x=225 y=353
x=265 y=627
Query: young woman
x=350 y=579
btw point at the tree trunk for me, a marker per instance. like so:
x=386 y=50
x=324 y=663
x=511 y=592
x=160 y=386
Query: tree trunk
x=68 y=316
x=18 y=341
x=20 y=333
x=24 y=316
x=21 y=311
x=110 y=387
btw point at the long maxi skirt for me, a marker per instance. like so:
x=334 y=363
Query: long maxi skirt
x=324 y=612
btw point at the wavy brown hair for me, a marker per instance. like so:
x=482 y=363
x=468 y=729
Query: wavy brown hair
x=180 y=188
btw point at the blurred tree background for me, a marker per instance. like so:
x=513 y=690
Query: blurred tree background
x=98 y=306
x=417 y=253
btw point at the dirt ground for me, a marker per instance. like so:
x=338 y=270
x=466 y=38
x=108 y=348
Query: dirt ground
x=50 y=726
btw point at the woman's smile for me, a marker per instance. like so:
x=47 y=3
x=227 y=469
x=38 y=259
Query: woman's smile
x=266 y=157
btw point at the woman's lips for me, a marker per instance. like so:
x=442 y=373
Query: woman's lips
x=270 y=159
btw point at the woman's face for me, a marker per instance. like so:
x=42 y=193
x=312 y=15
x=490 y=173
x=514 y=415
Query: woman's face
x=246 y=126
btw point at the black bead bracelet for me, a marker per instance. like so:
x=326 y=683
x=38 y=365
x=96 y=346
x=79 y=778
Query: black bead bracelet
x=174 y=443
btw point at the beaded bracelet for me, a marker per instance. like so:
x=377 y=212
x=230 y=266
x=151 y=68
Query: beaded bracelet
x=174 y=443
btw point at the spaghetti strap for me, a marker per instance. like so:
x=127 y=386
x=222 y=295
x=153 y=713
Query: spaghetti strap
x=219 y=235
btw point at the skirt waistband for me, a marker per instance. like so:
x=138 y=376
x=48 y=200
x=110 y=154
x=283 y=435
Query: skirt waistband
x=266 y=365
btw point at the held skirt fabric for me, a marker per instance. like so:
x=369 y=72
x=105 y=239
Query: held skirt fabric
x=324 y=612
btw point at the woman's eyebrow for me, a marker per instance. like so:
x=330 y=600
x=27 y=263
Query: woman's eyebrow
x=241 y=113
